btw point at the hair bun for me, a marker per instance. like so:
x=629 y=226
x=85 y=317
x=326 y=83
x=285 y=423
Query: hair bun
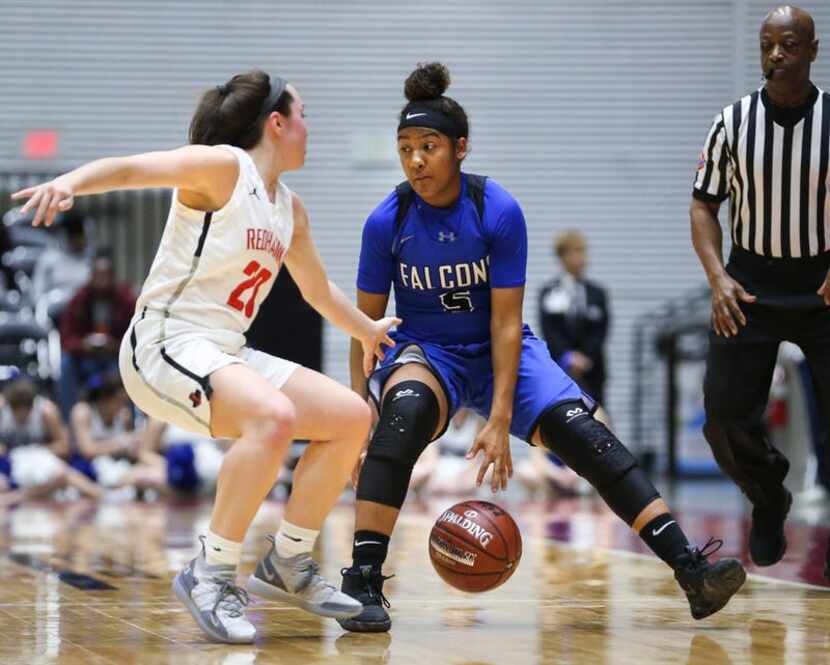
x=427 y=81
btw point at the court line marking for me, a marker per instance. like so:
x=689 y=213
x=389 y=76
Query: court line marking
x=97 y=659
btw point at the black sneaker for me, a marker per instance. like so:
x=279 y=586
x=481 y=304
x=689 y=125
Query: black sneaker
x=708 y=586
x=365 y=584
x=767 y=542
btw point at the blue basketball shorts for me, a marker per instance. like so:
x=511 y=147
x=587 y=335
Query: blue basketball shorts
x=465 y=371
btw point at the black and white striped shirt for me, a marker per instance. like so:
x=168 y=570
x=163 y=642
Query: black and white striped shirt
x=773 y=165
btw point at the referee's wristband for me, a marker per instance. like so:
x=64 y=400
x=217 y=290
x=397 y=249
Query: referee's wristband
x=709 y=198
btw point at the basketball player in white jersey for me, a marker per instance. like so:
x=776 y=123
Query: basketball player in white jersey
x=232 y=224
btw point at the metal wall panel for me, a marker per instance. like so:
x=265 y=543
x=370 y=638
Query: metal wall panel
x=591 y=113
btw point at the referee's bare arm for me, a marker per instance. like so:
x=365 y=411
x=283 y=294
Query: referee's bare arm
x=707 y=239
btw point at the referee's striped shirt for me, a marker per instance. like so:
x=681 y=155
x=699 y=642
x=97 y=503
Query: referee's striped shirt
x=773 y=165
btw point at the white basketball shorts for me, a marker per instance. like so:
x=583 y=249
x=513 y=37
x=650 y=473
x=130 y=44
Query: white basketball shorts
x=166 y=370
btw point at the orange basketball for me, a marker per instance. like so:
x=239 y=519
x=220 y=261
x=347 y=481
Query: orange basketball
x=475 y=546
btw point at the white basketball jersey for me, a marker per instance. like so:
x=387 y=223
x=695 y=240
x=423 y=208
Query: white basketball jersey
x=213 y=270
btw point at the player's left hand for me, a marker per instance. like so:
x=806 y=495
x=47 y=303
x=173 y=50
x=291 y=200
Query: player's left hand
x=824 y=290
x=494 y=440
x=377 y=334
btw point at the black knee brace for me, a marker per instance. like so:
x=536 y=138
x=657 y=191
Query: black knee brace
x=592 y=450
x=408 y=418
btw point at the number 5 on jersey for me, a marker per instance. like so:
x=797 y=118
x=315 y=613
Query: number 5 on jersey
x=257 y=276
x=457 y=301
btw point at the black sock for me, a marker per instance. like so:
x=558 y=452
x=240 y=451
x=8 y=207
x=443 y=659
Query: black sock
x=665 y=538
x=369 y=548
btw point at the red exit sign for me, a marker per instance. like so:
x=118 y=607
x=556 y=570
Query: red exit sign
x=40 y=144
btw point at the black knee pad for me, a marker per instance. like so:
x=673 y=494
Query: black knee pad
x=408 y=417
x=630 y=494
x=594 y=452
x=585 y=444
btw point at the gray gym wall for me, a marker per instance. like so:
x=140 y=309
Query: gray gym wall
x=591 y=113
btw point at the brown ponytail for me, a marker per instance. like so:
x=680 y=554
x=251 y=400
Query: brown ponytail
x=232 y=113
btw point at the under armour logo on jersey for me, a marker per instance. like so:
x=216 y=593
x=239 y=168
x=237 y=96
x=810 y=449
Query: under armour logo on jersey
x=405 y=393
x=574 y=413
x=449 y=236
x=195 y=398
x=253 y=192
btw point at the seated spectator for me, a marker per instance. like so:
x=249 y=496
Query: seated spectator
x=68 y=265
x=173 y=460
x=544 y=472
x=443 y=468
x=91 y=329
x=103 y=427
x=33 y=439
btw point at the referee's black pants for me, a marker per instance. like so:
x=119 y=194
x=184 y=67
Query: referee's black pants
x=739 y=369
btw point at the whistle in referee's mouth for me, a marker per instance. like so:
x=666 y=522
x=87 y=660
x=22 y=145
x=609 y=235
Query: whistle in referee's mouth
x=768 y=73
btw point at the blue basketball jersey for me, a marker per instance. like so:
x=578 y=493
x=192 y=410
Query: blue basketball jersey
x=444 y=261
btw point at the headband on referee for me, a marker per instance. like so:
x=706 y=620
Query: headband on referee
x=425 y=114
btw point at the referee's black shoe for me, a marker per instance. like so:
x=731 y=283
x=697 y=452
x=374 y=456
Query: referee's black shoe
x=767 y=542
x=365 y=583
x=708 y=586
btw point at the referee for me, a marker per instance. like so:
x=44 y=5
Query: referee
x=768 y=154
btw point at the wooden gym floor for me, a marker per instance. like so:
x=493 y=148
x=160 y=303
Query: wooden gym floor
x=85 y=584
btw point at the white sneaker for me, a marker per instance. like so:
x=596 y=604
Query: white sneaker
x=297 y=581
x=211 y=595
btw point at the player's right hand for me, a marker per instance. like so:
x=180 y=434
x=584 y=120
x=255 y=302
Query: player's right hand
x=726 y=310
x=47 y=199
x=494 y=441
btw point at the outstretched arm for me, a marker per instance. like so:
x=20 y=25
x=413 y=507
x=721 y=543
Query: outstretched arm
x=80 y=420
x=205 y=176
x=304 y=263
x=508 y=269
x=506 y=349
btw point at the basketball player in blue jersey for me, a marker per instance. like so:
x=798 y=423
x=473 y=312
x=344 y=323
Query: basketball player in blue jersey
x=455 y=247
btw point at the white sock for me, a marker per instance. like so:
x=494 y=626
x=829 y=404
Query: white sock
x=222 y=552
x=291 y=540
